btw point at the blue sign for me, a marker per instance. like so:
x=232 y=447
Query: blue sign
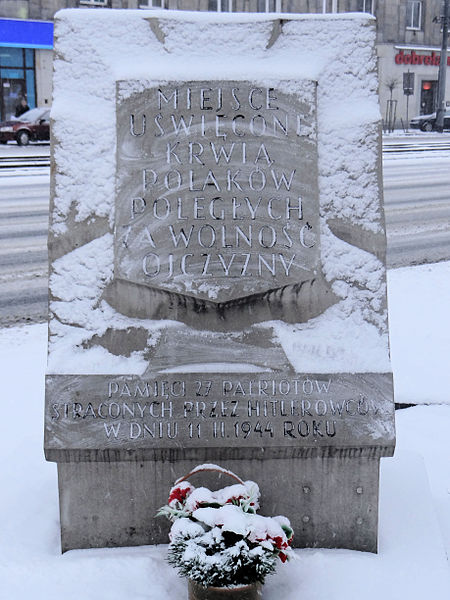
x=26 y=34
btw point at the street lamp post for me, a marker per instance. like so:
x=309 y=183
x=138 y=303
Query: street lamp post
x=442 y=69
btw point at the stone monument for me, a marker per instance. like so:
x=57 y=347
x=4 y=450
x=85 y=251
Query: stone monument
x=217 y=269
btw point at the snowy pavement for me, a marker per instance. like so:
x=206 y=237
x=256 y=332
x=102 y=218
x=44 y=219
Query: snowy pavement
x=414 y=488
x=34 y=149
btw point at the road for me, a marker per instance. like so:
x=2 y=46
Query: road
x=24 y=195
x=417 y=207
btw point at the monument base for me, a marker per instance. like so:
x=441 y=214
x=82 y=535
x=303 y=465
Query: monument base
x=331 y=502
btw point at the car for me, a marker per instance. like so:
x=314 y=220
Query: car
x=427 y=122
x=32 y=126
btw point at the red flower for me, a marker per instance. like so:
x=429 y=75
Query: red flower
x=179 y=494
x=234 y=500
x=279 y=542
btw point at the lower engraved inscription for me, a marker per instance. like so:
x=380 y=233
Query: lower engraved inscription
x=186 y=411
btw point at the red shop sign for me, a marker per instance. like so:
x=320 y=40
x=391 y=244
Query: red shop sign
x=413 y=58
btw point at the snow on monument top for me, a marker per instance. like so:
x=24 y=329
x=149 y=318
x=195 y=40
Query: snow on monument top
x=151 y=50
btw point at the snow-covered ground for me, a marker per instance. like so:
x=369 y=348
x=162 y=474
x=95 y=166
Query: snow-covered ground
x=414 y=496
x=419 y=323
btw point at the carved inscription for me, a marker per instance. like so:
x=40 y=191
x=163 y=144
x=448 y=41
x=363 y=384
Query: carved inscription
x=102 y=411
x=217 y=187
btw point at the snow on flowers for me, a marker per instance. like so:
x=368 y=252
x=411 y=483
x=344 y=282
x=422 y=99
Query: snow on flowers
x=218 y=539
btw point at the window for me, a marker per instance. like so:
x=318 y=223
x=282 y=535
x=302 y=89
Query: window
x=95 y=2
x=269 y=6
x=221 y=5
x=16 y=79
x=414 y=15
x=152 y=4
x=226 y=5
x=329 y=6
x=366 y=6
x=229 y=5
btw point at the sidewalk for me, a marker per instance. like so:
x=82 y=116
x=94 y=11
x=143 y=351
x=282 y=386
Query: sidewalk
x=11 y=149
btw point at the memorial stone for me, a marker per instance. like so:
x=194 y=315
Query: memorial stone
x=217 y=269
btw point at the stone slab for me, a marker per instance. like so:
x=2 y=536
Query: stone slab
x=210 y=415
x=217 y=191
x=217 y=204
x=331 y=502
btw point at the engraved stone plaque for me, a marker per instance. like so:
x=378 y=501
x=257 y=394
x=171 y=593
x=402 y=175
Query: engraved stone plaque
x=217 y=194
x=124 y=417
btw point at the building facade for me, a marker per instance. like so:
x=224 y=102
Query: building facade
x=25 y=64
x=408 y=41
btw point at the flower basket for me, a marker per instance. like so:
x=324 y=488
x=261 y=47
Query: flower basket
x=251 y=591
x=219 y=542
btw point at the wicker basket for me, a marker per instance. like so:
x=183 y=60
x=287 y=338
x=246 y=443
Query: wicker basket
x=252 y=591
